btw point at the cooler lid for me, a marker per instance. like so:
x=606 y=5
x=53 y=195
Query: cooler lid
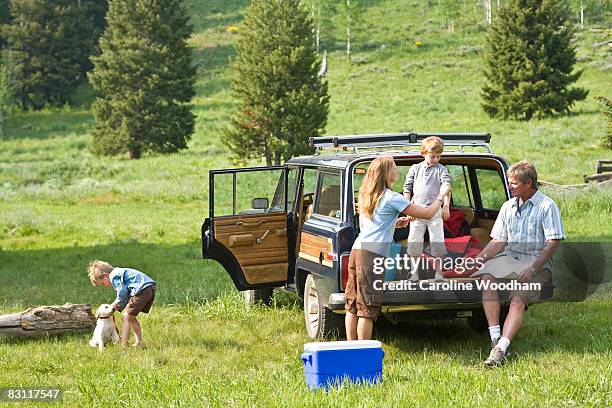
x=342 y=345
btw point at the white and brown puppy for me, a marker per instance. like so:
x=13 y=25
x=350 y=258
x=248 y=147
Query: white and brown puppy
x=106 y=330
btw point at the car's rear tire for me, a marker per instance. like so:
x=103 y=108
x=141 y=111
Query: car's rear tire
x=478 y=320
x=321 y=322
x=258 y=296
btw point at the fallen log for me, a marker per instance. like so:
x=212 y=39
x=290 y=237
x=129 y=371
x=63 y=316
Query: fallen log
x=600 y=44
x=597 y=177
x=571 y=187
x=48 y=321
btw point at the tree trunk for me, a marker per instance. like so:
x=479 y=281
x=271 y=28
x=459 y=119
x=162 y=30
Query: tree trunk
x=48 y=320
x=267 y=152
x=316 y=18
x=348 y=29
x=133 y=153
x=487 y=9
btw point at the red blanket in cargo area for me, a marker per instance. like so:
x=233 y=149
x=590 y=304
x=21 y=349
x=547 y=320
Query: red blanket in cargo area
x=462 y=251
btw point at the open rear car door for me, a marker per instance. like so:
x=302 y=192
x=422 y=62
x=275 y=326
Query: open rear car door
x=248 y=229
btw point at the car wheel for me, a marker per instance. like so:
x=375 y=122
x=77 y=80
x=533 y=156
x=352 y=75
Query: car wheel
x=261 y=295
x=478 y=320
x=321 y=322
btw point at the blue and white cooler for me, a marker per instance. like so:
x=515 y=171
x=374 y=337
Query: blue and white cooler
x=332 y=362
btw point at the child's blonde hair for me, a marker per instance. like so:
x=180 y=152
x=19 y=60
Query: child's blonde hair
x=375 y=182
x=97 y=269
x=432 y=144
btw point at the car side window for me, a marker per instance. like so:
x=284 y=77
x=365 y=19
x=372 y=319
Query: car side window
x=328 y=196
x=461 y=195
x=310 y=181
x=248 y=192
x=491 y=187
x=278 y=202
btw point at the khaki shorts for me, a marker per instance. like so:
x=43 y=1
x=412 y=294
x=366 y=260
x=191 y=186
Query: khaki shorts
x=361 y=298
x=506 y=268
x=141 y=302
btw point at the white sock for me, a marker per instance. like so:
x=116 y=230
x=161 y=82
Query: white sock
x=495 y=332
x=503 y=344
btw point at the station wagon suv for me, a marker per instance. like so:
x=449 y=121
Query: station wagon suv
x=292 y=226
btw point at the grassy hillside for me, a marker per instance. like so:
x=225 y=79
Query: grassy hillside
x=61 y=207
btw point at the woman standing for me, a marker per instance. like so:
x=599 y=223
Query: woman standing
x=379 y=207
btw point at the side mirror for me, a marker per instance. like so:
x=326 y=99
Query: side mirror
x=260 y=203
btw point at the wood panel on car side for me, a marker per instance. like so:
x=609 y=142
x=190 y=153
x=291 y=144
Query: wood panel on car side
x=316 y=248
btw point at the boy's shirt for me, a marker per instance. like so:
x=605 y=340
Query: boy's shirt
x=424 y=182
x=128 y=282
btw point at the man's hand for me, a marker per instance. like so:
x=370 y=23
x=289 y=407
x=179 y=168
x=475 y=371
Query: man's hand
x=526 y=274
x=445 y=213
x=115 y=306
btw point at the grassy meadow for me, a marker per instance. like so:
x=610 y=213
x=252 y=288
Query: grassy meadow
x=61 y=207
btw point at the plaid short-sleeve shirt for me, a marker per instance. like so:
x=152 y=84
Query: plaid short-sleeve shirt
x=527 y=228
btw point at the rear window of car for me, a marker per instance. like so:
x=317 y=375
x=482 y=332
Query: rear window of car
x=328 y=202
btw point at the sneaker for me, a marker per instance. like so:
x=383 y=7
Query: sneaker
x=496 y=357
x=439 y=277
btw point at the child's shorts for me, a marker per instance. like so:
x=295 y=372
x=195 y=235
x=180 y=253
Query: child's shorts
x=141 y=302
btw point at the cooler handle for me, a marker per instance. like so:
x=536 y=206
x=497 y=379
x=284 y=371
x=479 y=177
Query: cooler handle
x=306 y=358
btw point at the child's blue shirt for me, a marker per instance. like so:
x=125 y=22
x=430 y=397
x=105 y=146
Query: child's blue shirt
x=128 y=282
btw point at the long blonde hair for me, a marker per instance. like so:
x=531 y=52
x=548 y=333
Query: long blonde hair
x=375 y=182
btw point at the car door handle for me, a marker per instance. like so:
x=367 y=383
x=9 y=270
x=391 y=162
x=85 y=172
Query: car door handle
x=260 y=239
x=246 y=224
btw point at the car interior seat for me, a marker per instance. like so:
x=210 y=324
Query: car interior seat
x=329 y=201
x=483 y=235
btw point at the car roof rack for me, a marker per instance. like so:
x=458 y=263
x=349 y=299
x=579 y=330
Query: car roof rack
x=355 y=142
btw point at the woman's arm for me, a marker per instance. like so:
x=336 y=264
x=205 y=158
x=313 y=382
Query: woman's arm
x=417 y=211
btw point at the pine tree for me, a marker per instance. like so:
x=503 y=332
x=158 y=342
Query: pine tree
x=143 y=79
x=529 y=57
x=50 y=43
x=281 y=100
x=94 y=13
x=5 y=18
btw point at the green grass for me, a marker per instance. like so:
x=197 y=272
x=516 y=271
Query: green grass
x=61 y=207
x=223 y=353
